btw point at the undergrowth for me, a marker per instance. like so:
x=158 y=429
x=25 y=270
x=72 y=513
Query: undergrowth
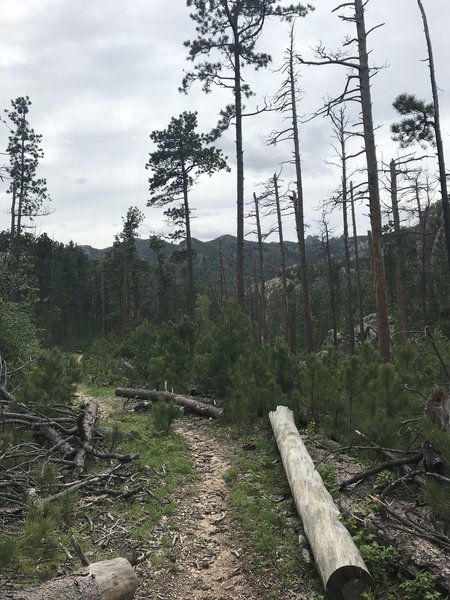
x=33 y=548
x=266 y=513
x=264 y=508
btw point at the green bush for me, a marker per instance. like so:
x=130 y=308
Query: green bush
x=50 y=380
x=101 y=365
x=164 y=413
x=422 y=587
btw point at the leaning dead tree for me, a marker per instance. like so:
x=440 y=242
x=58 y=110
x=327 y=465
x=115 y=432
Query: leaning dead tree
x=341 y=567
x=106 y=580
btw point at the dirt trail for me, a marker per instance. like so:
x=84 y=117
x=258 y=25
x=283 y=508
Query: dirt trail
x=199 y=537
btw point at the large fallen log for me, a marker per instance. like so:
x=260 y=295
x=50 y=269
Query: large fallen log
x=341 y=567
x=188 y=402
x=106 y=580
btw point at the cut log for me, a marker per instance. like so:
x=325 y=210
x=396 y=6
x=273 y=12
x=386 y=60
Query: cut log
x=106 y=580
x=86 y=429
x=341 y=567
x=191 y=404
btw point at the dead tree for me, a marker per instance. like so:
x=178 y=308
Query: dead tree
x=261 y=275
x=340 y=124
x=357 y=266
x=357 y=89
x=286 y=102
x=438 y=133
x=326 y=244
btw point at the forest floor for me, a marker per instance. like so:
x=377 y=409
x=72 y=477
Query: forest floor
x=208 y=555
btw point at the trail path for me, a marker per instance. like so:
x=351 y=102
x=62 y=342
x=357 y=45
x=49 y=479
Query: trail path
x=200 y=537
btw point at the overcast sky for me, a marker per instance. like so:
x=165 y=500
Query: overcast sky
x=102 y=74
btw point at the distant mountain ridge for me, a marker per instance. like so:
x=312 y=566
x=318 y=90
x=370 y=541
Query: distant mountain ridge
x=207 y=254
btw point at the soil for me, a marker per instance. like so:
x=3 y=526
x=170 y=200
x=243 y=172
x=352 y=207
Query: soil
x=206 y=550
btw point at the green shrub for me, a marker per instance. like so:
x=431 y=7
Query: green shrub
x=164 y=413
x=50 y=381
x=422 y=587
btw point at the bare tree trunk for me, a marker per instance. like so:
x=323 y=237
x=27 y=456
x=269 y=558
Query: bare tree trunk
x=283 y=261
x=399 y=252
x=262 y=279
x=255 y=306
x=239 y=174
x=12 y=233
x=422 y=255
x=298 y=209
x=357 y=267
x=374 y=191
x=189 y=251
x=332 y=295
x=103 y=301
x=223 y=282
x=348 y=273
x=437 y=129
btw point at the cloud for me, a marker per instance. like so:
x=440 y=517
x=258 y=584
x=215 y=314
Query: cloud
x=102 y=75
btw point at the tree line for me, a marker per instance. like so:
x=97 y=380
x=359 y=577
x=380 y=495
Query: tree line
x=73 y=298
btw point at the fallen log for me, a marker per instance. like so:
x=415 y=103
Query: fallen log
x=341 y=567
x=191 y=404
x=106 y=580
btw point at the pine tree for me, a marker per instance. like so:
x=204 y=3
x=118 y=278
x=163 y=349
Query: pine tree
x=182 y=155
x=230 y=29
x=28 y=191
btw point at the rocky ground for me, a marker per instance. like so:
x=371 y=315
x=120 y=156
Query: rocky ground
x=204 y=542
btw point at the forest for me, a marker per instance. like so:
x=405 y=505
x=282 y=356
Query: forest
x=348 y=328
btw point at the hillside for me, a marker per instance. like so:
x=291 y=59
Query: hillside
x=207 y=260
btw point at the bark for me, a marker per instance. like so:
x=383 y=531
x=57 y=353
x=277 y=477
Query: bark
x=342 y=570
x=283 y=262
x=189 y=251
x=262 y=281
x=86 y=431
x=399 y=251
x=422 y=254
x=438 y=134
x=298 y=210
x=332 y=296
x=223 y=282
x=191 y=404
x=239 y=170
x=357 y=268
x=106 y=580
x=374 y=188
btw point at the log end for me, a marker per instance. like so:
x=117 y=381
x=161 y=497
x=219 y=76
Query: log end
x=348 y=583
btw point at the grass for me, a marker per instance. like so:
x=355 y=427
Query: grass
x=163 y=465
x=37 y=550
x=265 y=511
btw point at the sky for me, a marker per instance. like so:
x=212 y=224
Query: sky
x=102 y=74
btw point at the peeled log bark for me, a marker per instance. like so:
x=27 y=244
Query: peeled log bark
x=341 y=567
x=191 y=404
x=106 y=580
